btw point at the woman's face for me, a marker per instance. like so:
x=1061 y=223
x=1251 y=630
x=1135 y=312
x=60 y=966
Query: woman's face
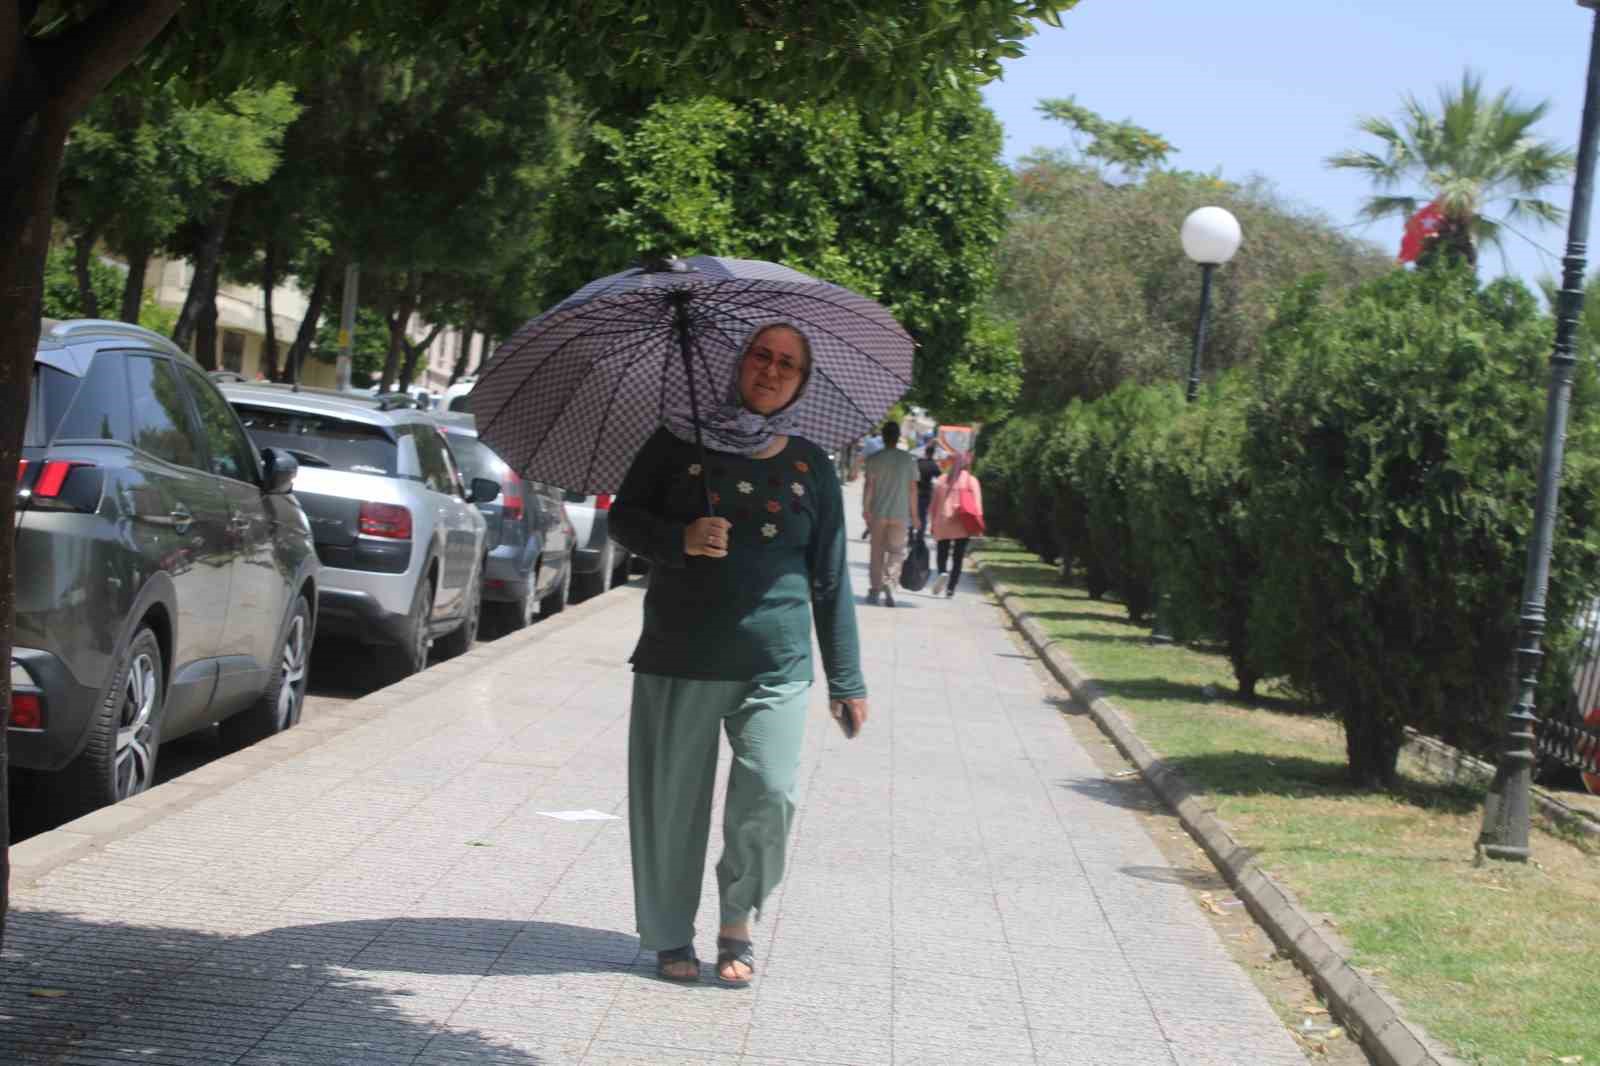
x=774 y=366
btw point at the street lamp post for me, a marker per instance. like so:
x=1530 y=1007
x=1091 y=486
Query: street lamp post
x=1506 y=811
x=1210 y=236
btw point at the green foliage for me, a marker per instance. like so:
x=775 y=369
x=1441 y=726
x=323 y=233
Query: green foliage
x=1476 y=151
x=1129 y=147
x=880 y=53
x=906 y=209
x=1197 y=504
x=1094 y=276
x=1391 y=459
x=61 y=296
x=138 y=165
x=1114 y=468
x=368 y=351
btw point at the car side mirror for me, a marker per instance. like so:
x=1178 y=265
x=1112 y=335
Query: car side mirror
x=278 y=471
x=483 y=490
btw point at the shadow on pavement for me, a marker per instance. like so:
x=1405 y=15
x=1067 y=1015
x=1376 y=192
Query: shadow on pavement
x=326 y=993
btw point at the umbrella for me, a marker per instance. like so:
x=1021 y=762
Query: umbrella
x=571 y=397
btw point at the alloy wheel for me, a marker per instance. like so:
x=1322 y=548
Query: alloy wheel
x=135 y=759
x=293 y=668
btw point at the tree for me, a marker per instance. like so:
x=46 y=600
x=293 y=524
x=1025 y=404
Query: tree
x=1093 y=275
x=57 y=55
x=1476 y=152
x=1130 y=147
x=905 y=209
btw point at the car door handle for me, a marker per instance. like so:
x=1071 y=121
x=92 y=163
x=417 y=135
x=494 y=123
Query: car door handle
x=181 y=519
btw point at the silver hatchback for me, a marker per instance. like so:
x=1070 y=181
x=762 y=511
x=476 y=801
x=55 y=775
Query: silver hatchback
x=399 y=535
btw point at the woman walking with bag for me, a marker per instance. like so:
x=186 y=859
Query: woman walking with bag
x=726 y=647
x=957 y=517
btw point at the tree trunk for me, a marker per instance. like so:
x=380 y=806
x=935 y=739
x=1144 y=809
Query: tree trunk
x=413 y=352
x=464 y=356
x=308 y=325
x=269 y=282
x=133 y=287
x=205 y=329
x=208 y=264
x=1372 y=745
x=82 y=254
x=37 y=107
x=391 y=361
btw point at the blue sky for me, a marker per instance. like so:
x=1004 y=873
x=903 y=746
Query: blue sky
x=1274 y=88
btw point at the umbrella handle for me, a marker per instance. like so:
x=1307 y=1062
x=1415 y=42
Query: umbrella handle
x=680 y=320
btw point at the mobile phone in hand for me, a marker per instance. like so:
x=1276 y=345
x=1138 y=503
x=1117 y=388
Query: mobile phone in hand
x=846 y=719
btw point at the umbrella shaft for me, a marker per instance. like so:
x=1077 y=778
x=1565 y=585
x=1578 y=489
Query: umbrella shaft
x=685 y=341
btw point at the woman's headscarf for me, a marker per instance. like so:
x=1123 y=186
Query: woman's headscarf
x=731 y=426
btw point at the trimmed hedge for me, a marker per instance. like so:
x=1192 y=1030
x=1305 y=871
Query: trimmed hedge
x=1350 y=517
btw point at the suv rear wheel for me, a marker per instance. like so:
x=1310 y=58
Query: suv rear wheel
x=459 y=640
x=556 y=602
x=281 y=702
x=125 y=736
x=401 y=661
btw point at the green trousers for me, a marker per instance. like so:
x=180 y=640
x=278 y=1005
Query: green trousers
x=672 y=769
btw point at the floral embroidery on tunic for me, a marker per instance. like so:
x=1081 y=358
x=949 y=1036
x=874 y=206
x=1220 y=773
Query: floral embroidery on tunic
x=694 y=470
x=773 y=506
x=769 y=530
x=797 y=488
x=802 y=466
x=746 y=488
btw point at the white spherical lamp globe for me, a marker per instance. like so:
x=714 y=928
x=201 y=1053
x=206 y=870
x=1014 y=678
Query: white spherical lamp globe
x=1210 y=235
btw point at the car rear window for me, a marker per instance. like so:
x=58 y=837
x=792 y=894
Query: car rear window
x=101 y=410
x=318 y=440
x=476 y=459
x=47 y=403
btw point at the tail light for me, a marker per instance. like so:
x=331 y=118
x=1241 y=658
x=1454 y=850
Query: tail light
x=384 y=520
x=602 y=502
x=27 y=711
x=511 y=498
x=50 y=482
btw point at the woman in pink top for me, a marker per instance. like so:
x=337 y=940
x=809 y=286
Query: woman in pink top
x=950 y=525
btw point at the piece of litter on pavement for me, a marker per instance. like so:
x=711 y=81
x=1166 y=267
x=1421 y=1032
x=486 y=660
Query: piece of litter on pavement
x=581 y=816
x=47 y=993
x=1126 y=773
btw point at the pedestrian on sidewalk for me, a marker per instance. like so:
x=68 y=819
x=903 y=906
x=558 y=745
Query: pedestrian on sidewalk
x=957 y=499
x=889 y=504
x=726 y=644
x=927 y=471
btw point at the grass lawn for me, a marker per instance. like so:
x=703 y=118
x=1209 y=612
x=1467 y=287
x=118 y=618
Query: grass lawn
x=1500 y=962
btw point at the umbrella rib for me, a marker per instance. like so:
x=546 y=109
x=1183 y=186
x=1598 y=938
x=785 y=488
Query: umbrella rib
x=578 y=314
x=825 y=296
x=833 y=333
x=600 y=435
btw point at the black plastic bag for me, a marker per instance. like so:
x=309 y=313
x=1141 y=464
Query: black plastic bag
x=914 y=571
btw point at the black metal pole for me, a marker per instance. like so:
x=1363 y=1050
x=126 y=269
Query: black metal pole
x=680 y=322
x=1206 y=270
x=1506 y=811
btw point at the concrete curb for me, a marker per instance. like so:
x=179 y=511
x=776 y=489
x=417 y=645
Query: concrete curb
x=1367 y=1012
x=39 y=855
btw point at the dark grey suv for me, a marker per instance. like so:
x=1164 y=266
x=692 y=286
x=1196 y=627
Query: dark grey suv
x=165 y=576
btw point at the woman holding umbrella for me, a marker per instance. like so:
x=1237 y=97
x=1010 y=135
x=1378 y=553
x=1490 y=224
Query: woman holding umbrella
x=726 y=644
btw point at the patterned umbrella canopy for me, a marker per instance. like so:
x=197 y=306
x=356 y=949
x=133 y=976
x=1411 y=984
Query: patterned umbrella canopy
x=572 y=396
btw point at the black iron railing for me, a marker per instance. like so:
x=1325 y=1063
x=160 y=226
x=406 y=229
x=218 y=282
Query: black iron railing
x=1562 y=736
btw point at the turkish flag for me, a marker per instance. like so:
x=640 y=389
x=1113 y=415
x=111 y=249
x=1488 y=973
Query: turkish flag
x=1419 y=227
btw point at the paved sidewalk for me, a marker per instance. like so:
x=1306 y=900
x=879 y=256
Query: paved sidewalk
x=383 y=887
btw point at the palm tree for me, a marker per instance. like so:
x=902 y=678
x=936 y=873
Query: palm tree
x=1477 y=152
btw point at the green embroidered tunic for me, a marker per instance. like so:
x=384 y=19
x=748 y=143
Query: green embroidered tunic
x=746 y=617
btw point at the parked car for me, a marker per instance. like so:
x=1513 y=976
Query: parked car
x=399 y=534
x=598 y=562
x=166 y=577
x=458 y=397
x=528 y=571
